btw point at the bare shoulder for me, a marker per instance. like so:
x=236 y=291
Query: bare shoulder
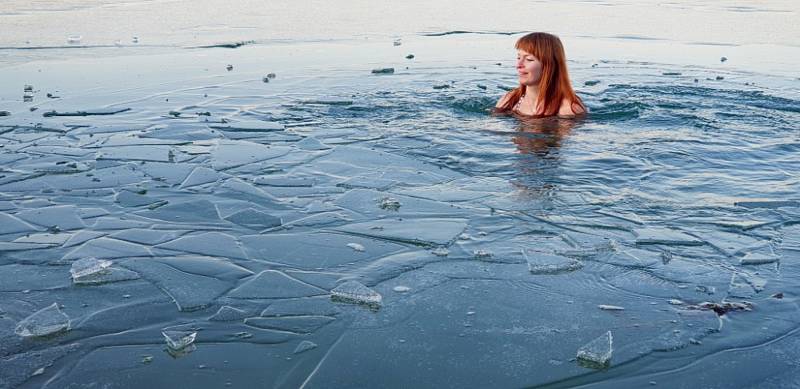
x=568 y=109
x=503 y=100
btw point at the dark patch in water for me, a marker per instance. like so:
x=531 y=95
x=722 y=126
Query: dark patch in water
x=233 y=45
x=90 y=112
x=481 y=105
x=459 y=32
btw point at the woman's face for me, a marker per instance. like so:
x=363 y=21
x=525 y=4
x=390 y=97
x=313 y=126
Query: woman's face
x=529 y=68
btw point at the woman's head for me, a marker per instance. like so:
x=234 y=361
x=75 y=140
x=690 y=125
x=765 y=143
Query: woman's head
x=542 y=64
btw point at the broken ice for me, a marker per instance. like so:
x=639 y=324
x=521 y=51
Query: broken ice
x=305 y=346
x=356 y=247
x=610 y=307
x=541 y=263
x=44 y=322
x=178 y=340
x=597 y=353
x=389 y=204
x=356 y=292
x=88 y=267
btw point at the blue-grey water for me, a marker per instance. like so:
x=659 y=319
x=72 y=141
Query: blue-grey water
x=232 y=203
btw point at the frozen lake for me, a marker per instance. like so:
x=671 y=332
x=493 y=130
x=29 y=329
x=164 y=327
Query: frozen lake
x=302 y=221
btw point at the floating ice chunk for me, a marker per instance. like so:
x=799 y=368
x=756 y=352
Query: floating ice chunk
x=401 y=289
x=675 y=302
x=389 y=204
x=305 y=346
x=178 y=340
x=541 y=263
x=610 y=307
x=758 y=259
x=111 y=274
x=44 y=322
x=356 y=292
x=440 y=252
x=482 y=254
x=356 y=247
x=667 y=236
x=87 y=267
x=597 y=353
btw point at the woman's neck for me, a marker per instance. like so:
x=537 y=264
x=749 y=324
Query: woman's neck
x=531 y=93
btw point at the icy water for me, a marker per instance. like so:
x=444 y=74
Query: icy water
x=277 y=215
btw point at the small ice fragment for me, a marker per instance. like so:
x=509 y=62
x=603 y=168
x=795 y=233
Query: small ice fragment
x=389 y=203
x=356 y=247
x=74 y=39
x=541 y=263
x=440 y=252
x=147 y=359
x=610 y=307
x=38 y=371
x=44 y=322
x=356 y=292
x=591 y=82
x=597 y=353
x=675 y=302
x=87 y=267
x=383 y=71
x=305 y=346
x=178 y=340
x=397 y=42
x=464 y=236
x=482 y=254
x=401 y=289
x=758 y=259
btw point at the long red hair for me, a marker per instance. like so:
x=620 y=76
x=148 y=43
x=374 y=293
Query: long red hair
x=554 y=85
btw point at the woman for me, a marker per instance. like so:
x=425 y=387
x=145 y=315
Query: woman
x=545 y=89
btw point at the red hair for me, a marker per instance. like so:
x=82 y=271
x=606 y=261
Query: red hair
x=554 y=85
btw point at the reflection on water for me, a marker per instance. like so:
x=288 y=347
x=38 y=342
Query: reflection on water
x=541 y=136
